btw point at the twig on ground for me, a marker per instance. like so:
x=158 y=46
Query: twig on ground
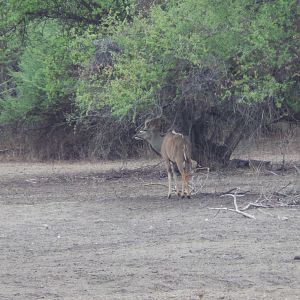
x=216 y=213
x=161 y=184
x=272 y=172
x=236 y=193
x=236 y=209
x=197 y=183
x=283 y=188
x=252 y=204
x=234 y=189
x=280 y=194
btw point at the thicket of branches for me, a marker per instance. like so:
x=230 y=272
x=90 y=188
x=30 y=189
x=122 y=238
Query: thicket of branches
x=77 y=77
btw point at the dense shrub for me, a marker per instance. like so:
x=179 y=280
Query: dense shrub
x=92 y=70
x=250 y=43
x=44 y=81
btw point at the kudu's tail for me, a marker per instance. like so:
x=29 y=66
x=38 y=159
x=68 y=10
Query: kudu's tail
x=187 y=159
x=185 y=153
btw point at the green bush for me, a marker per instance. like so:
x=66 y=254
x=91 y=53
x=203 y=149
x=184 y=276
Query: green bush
x=44 y=78
x=249 y=42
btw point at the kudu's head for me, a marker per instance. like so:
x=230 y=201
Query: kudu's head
x=150 y=130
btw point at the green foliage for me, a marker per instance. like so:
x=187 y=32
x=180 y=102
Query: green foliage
x=136 y=83
x=46 y=54
x=44 y=78
x=16 y=15
x=57 y=57
x=249 y=42
x=245 y=40
x=63 y=40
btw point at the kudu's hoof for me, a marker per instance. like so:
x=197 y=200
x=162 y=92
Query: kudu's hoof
x=169 y=196
x=189 y=196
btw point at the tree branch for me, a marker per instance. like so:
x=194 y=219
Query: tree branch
x=236 y=208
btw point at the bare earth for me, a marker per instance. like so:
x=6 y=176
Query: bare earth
x=83 y=231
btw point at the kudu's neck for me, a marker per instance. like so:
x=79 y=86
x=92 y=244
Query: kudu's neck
x=156 y=141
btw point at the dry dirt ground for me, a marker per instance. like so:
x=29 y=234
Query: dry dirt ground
x=108 y=231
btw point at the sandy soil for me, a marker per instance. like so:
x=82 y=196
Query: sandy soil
x=83 y=231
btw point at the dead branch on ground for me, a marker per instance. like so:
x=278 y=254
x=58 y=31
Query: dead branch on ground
x=154 y=183
x=236 y=208
x=255 y=205
x=198 y=182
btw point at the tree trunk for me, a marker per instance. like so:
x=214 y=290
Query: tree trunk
x=213 y=144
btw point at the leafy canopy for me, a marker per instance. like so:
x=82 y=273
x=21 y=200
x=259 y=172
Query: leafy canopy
x=42 y=45
x=250 y=42
x=44 y=77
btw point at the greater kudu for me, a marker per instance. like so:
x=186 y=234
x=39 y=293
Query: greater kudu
x=174 y=148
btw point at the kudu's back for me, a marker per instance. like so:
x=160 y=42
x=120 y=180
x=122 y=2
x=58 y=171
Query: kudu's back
x=178 y=149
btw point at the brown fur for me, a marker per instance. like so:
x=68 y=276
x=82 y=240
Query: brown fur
x=174 y=148
x=177 y=148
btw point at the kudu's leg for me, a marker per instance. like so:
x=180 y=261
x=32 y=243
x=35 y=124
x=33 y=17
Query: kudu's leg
x=187 y=187
x=188 y=170
x=183 y=184
x=169 y=170
x=185 y=181
x=182 y=172
x=175 y=179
